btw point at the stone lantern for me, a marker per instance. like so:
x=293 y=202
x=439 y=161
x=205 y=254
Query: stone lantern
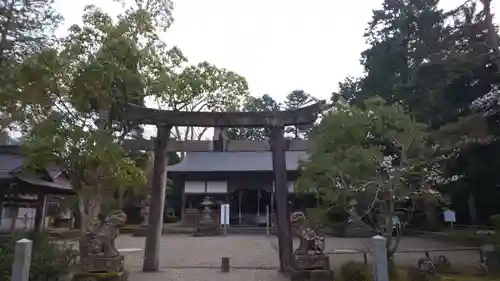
x=206 y=218
x=206 y=224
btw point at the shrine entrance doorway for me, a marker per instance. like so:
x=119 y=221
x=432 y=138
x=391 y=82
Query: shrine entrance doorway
x=249 y=207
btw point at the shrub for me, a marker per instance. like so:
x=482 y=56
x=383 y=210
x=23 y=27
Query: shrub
x=170 y=219
x=442 y=264
x=495 y=220
x=392 y=269
x=355 y=271
x=416 y=274
x=49 y=260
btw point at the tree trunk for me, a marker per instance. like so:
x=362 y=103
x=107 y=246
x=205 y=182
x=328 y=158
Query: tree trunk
x=431 y=216
x=7 y=24
x=121 y=195
x=492 y=35
x=78 y=220
x=89 y=208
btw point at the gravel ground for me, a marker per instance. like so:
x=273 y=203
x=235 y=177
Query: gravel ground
x=187 y=258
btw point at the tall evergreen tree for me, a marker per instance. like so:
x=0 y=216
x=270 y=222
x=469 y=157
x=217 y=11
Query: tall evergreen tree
x=297 y=99
x=436 y=64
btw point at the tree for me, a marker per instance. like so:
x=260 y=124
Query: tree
x=492 y=35
x=295 y=100
x=401 y=36
x=26 y=27
x=377 y=150
x=436 y=63
x=202 y=87
x=64 y=88
x=253 y=104
x=101 y=66
x=426 y=59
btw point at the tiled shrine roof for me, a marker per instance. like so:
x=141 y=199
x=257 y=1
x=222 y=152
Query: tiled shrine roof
x=50 y=179
x=247 y=161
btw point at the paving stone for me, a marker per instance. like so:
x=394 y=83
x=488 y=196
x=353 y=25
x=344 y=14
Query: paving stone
x=186 y=258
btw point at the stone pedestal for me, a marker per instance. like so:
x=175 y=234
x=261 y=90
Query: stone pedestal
x=207 y=230
x=102 y=268
x=99 y=276
x=312 y=275
x=99 y=264
x=310 y=262
x=311 y=268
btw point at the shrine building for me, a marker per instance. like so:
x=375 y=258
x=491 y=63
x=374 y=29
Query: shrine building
x=242 y=179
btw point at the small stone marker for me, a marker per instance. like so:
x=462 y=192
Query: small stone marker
x=380 y=266
x=225 y=264
x=22 y=260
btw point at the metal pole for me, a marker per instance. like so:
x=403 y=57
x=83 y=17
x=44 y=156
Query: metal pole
x=239 y=206
x=272 y=202
x=267 y=220
x=258 y=203
x=226 y=216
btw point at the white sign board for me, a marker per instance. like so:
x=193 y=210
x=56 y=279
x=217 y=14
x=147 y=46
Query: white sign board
x=224 y=214
x=395 y=221
x=449 y=216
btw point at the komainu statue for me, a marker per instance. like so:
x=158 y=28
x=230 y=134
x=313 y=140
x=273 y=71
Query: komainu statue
x=308 y=259
x=101 y=240
x=100 y=257
x=311 y=243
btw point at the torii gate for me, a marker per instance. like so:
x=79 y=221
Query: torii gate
x=164 y=120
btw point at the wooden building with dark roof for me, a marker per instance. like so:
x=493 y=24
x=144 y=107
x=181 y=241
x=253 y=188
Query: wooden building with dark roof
x=242 y=179
x=27 y=189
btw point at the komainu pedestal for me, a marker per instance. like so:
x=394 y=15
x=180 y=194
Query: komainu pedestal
x=309 y=263
x=100 y=259
x=104 y=264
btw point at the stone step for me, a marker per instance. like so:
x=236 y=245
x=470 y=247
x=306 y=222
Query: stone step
x=250 y=230
x=236 y=229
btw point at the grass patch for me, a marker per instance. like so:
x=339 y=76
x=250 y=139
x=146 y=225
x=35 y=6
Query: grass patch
x=469 y=237
x=466 y=278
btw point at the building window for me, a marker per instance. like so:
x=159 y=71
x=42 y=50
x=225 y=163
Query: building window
x=217 y=187
x=195 y=187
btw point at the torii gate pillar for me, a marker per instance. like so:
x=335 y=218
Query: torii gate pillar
x=281 y=192
x=158 y=186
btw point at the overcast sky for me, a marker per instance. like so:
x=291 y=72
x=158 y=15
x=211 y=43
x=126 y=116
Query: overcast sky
x=277 y=45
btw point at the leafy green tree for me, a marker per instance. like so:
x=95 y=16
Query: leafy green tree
x=26 y=27
x=202 y=87
x=377 y=150
x=101 y=66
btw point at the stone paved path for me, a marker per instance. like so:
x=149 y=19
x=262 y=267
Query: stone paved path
x=208 y=275
x=187 y=258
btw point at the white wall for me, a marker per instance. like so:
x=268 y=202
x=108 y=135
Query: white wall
x=20 y=221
